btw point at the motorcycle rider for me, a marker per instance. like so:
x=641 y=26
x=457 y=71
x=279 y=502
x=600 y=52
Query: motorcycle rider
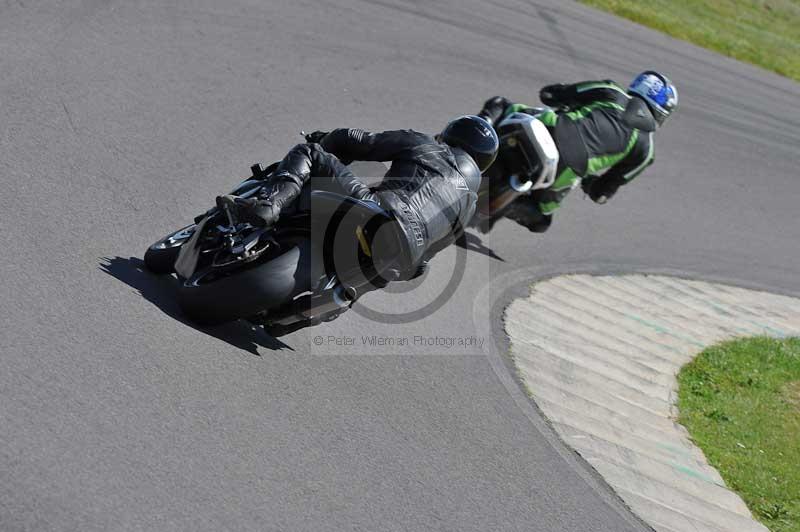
x=430 y=188
x=604 y=136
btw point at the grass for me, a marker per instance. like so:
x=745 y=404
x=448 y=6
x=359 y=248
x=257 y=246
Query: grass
x=761 y=32
x=740 y=401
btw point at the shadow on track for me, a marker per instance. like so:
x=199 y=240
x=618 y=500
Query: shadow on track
x=161 y=291
x=472 y=242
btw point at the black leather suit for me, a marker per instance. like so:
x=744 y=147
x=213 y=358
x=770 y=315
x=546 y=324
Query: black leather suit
x=431 y=188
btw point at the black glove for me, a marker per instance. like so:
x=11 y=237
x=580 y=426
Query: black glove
x=553 y=95
x=315 y=137
x=586 y=184
x=493 y=108
x=598 y=189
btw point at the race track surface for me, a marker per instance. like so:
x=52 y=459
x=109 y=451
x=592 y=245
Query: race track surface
x=122 y=120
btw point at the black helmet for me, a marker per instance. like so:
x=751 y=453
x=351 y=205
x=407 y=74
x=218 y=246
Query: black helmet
x=475 y=136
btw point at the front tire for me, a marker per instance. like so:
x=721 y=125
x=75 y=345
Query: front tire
x=161 y=256
x=210 y=300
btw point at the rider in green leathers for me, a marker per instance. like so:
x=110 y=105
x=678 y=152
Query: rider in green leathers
x=604 y=135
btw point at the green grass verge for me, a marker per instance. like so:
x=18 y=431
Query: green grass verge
x=740 y=401
x=762 y=32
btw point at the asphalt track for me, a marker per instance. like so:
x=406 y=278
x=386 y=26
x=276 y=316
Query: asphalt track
x=121 y=120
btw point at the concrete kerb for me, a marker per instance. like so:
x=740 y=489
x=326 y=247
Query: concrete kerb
x=570 y=338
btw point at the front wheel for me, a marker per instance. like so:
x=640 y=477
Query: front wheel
x=160 y=257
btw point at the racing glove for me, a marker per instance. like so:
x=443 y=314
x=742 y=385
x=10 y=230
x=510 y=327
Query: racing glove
x=555 y=95
x=599 y=189
x=494 y=108
x=315 y=137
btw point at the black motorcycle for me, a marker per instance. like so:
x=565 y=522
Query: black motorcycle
x=324 y=252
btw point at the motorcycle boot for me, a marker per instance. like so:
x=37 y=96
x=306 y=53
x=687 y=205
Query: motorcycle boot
x=264 y=210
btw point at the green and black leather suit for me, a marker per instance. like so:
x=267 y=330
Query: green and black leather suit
x=595 y=145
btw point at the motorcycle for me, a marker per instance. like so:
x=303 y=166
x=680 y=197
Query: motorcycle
x=302 y=271
x=529 y=162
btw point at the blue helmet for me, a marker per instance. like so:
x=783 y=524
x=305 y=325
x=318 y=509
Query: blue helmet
x=659 y=93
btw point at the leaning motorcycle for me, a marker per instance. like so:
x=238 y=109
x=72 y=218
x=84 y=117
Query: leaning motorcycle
x=324 y=252
x=528 y=149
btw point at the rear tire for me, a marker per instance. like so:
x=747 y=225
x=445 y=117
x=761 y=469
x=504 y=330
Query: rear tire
x=249 y=291
x=161 y=256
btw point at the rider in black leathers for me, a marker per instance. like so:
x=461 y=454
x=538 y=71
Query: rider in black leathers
x=431 y=187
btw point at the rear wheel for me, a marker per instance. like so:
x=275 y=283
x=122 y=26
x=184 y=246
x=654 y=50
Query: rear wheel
x=212 y=296
x=160 y=257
